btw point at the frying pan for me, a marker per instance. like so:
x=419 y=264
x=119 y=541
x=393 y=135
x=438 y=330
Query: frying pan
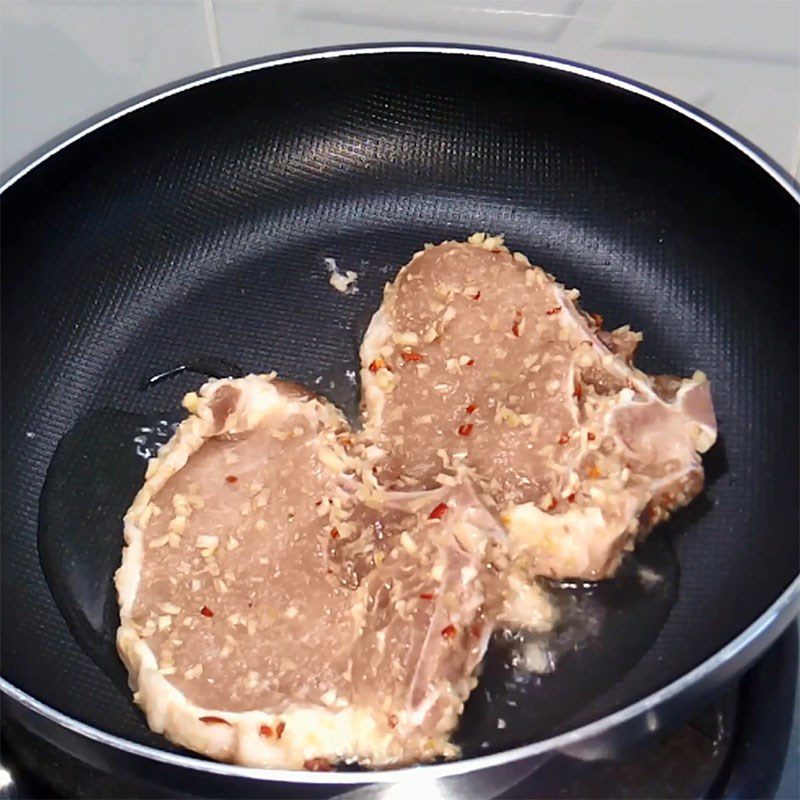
x=191 y=229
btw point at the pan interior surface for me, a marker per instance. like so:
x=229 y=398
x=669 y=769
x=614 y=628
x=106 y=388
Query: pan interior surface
x=197 y=228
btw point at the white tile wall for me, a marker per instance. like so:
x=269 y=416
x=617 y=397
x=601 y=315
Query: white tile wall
x=63 y=60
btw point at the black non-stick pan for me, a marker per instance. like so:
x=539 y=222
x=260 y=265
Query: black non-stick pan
x=191 y=230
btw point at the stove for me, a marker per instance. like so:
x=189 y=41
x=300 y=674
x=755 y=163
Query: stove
x=744 y=745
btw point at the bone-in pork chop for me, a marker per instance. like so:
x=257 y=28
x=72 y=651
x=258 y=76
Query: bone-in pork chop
x=243 y=639
x=478 y=361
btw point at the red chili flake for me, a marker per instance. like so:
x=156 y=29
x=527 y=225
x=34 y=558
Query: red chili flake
x=590 y=436
x=476 y=296
x=206 y=611
x=318 y=503
x=214 y=721
x=471 y=362
x=231 y=479
x=412 y=356
x=265 y=730
x=426 y=596
x=517 y=320
x=550 y=312
x=472 y=408
x=475 y=630
x=571 y=498
x=377 y=364
x=448 y=632
x=439 y=511
x=553 y=504
x=279 y=729
x=334 y=533
x=563 y=439
x=317 y=765
x=393 y=720
x=465 y=430
x=578 y=391
x=597 y=319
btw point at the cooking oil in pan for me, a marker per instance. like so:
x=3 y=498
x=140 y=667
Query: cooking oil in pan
x=95 y=472
x=533 y=683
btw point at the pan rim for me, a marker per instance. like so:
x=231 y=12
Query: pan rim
x=779 y=613
x=40 y=155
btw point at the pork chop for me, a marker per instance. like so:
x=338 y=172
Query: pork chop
x=245 y=641
x=478 y=361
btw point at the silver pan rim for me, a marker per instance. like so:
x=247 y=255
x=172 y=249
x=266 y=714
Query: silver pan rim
x=780 y=612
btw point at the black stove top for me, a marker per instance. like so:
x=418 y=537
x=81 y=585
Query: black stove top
x=744 y=745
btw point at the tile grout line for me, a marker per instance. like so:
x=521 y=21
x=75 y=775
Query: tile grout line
x=213 y=32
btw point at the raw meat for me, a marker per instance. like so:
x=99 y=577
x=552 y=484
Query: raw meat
x=242 y=640
x=479 y=362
